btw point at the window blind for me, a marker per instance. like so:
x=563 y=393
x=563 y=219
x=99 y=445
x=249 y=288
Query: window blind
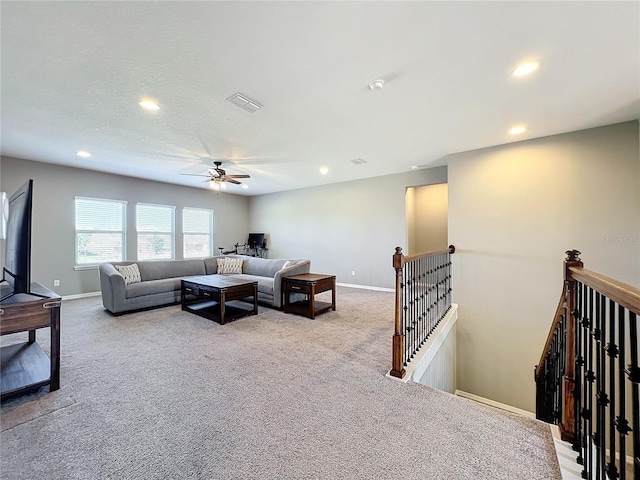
x=100 y=230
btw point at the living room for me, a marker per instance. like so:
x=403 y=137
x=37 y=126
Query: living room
x=513 y=211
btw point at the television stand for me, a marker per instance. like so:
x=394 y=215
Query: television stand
x=24 y=367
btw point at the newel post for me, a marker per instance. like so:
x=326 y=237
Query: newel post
x=397 y=368
x=567 y=424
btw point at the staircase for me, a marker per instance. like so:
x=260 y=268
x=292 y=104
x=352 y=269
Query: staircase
x=588 y=377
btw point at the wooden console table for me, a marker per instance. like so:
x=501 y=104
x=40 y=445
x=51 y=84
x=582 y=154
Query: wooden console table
x=310 y=284
x=24 y=366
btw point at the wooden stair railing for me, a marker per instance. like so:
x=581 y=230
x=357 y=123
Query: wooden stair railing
x=588 y=377
x=423 y=297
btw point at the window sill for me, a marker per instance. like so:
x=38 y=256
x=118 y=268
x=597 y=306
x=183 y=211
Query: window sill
x=85 y=267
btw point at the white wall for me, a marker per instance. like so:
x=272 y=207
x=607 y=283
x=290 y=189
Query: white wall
x=344 y=227
x=513 y=211
x=55 y=189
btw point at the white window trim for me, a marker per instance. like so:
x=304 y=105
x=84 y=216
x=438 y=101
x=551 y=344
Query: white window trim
x=173 y=230
x=210 y=232
x=89 y=266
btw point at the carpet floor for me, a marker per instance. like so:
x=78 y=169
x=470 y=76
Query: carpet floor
x=165 y=394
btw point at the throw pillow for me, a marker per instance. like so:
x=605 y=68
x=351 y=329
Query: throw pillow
x=229 y=265
x=131 y=273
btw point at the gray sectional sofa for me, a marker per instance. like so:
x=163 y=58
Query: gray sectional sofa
x=160 y=280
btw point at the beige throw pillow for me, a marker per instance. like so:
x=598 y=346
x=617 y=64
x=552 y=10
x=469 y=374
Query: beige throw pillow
x=229 y=265
x=131 y=273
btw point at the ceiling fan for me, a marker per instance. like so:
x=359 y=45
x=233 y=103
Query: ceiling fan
x=219 y=176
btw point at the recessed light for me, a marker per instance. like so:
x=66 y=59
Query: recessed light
x=83 y=154
x=376 y=84
x=245 y=186
x=518 y=130
x=324 y=170
x=149 y=104
x=525 y=69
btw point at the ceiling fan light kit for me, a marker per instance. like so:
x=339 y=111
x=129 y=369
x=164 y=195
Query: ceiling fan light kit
x=218 y=178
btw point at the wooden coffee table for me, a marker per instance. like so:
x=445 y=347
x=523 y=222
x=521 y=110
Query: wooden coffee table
x=216 y=297
x=308 y=284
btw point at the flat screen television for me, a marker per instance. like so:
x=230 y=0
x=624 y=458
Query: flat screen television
x=16 y=271
x=256 y=240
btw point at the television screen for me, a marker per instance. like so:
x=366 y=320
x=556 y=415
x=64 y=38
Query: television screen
x=17 y=268
x=256 y=240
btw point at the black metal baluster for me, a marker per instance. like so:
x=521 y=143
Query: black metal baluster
x=440 y=286
x=423 y=304
x=585 y=385
x=414 y=342
x=621 y=422
x=633 y=373
x=405 y=313
x=584 y=446
x=441 y=281
x=410 y=305
x=612 y=354
x=420 y=318
x=431 y=282
x=590 y=377
x=433 y=292
x=601 y=394
x=578 y=316
x=555 y=368
x=559 y=374
x=449 y=280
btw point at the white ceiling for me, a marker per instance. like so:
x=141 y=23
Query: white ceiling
x=73 y=72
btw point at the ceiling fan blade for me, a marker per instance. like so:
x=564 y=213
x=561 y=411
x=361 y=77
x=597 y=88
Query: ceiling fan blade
x=194 y=175
x=231 y=180
x=238 y=176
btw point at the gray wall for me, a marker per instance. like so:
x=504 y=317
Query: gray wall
x=55 y=188
x=343 y=227
x=513 y=211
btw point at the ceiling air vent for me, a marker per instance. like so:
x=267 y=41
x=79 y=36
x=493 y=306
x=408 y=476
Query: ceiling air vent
x=244 y=102
x=358 y=161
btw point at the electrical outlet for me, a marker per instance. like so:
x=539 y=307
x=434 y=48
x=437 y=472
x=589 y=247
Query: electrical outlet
x=56 y=283
x=353 y=272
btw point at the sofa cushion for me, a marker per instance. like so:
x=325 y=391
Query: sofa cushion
x=158 y=269
x=131 y=273
x=265 y=284
x=152 y=287
x=262 y=267
x=211 y=265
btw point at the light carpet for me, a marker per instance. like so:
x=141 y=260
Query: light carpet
x=165 y=394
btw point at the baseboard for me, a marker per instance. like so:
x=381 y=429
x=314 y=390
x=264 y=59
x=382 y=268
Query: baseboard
x=493 y=403
x=81 y=295
x=365 y=287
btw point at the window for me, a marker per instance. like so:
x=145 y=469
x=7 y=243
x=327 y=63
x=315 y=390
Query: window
x=100 y=230
x=155 y=225
x=197 y=232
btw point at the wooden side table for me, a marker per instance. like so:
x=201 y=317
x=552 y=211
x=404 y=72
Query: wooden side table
x=25 y=367
x=309 y=284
